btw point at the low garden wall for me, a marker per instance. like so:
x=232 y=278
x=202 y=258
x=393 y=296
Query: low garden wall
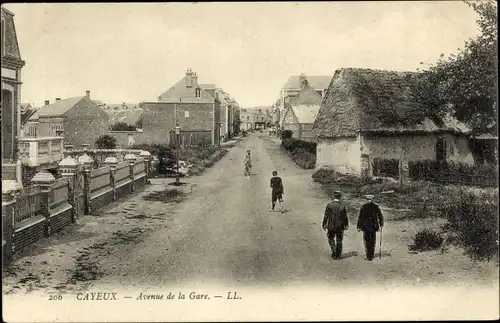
x=49 y=204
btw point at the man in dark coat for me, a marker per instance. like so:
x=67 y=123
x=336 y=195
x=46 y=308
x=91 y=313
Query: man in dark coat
x=277 y=191
x=335 y=222
x=370 y=221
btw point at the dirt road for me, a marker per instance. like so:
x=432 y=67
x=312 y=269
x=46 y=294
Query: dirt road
x=223 y=234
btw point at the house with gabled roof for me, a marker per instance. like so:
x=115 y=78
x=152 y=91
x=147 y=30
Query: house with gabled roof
x=292 y=88
x=368 y=114
x=301 y=111
x=186 y=104
x=79 y=120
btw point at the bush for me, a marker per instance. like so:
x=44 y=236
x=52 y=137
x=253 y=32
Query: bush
x=474 y=217
x=106 y=142
x=122 y=126
x=386 y=167
x=432 y=169
x=426 y=240
x=304 y=158
x=165 y=155
x=286 y=134
x=293 y=144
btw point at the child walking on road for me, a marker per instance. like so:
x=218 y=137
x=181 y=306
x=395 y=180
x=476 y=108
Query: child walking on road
x=277 y=191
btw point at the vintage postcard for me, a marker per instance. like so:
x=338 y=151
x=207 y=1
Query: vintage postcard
x=266 y=161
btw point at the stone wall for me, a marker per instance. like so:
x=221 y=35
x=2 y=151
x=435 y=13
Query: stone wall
x=417 y=147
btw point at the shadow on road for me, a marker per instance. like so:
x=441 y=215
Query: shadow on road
x=349 y=254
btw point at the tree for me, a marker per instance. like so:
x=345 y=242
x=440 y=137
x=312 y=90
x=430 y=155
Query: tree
x=467 y=81
x=106 y=142
x=122 y=126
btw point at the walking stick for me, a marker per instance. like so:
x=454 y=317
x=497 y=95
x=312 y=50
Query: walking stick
x=380 y=254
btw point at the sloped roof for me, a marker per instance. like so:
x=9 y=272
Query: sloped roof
x=376 y=101
x=25 y=105
x=306 y=113
x=207 y=86
x=180 y=93
x=319 y=82
x=57 y=108
x=26 y=115
x=130 y=117
x=10 y=43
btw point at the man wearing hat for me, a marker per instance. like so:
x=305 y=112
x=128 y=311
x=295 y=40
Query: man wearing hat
x=370 y=221
x=335 y=222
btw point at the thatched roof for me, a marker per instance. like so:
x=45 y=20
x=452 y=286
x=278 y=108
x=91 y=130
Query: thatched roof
x=375 y=101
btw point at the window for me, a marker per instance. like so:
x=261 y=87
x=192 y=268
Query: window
x=198 y=92
x=186 y=114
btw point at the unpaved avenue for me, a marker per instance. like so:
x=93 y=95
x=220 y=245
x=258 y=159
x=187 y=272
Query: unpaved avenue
x=224 y=234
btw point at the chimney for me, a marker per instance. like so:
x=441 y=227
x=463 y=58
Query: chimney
x=47 y=102
x=87 y=94
x=195 y=80
x=303 y=81
x=189 y=78
x=58 y=99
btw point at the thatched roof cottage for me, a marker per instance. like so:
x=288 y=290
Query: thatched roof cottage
x=368 y=114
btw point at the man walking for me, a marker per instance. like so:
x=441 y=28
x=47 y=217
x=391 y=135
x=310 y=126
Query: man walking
x=277 y=191
x=370 y=221
x=335 y=222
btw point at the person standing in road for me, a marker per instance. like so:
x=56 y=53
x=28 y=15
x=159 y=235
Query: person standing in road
x=335 y=222
x=370 y=221
x=248 y=164
x=277 y=191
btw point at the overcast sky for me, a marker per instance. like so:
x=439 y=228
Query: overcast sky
x=134 y=52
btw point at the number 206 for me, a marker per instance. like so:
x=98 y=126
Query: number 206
x=55 y=297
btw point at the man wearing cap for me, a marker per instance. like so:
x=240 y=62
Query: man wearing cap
x=335 y=222
x=370 y=221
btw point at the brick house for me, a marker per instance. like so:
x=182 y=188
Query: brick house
x=372 y=114
x=187 y=104
x=11 y=86
x=301 y=111
x=79 y=120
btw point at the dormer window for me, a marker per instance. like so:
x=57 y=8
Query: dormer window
x=198 y=92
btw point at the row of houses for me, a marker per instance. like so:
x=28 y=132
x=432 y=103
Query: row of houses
x=256 y=118
x=196 y=108
x=365 y=114
x=34 y=139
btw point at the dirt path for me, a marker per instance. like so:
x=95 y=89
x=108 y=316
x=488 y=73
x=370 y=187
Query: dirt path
x=223 y=234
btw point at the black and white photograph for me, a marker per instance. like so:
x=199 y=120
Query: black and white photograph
x=250 y=161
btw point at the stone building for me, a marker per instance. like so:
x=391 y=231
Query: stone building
x=301 y=111
x=369 y=114
x=79 y=120
x=187 y=104
x=11 y=86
